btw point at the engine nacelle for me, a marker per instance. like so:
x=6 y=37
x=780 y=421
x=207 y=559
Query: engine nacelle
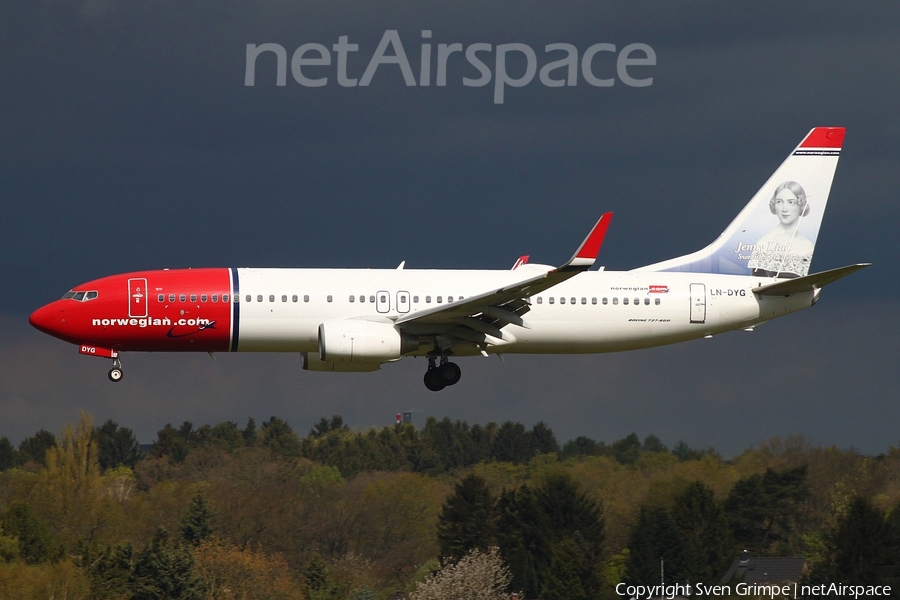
x=363 y=341
x=311 y=362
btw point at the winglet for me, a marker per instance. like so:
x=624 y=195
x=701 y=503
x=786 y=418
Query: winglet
x=587 y=253
x=523 y=260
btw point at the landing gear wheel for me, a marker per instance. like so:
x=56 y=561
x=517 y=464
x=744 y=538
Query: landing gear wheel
x=433 y=380
x=115 y=374
x=449 y=373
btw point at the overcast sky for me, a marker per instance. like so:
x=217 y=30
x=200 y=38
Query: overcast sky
x=130 y=141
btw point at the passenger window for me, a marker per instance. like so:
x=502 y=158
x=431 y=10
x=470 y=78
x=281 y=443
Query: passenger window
x=193 y=297
x=540 y=300
x=352 y=298
x=637 y=301
x=562 y=300
x=383 y=298
x=271 y=297
x=550 y=299
x=215 y=297
x=284 y=297
x=625 y=301
x=372 y=299
x=415 y=299
x=259 y=298
x=583 y=300
x=605 y=301
x=572 y=300
x=440 y=299
x=161 y=298
x=615 y=301
x=329 y=298
x=656 y=301
x=646 y=301
x=294 y=298
x=362 y=298
x=449 y=298
x=594 y=300
x=306 y=298
x=427 y=299
x=203 y=297
x=182 y=298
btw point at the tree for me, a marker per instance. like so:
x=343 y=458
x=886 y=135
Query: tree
x=762 y=509
x=164 y=570
x=476 y=576
x=543 y=441
x=655 y=538
x=278 y=436
x=35 y=447
x=572 y=574
x=467 y=519
x=627 y=450
x=863 y=546
x=524 y=538
x=196 y=527
x=8 y=455
x=34 y=544
x=117 y=446
x=708 y=545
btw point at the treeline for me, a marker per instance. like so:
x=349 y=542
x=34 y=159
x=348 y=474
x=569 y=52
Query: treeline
x=259 y=511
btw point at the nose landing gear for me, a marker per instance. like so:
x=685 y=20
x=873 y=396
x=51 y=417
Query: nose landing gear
x=115 y=374
x=437 y=377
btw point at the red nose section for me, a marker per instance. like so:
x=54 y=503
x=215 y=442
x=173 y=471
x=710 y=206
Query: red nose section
x=49 y=319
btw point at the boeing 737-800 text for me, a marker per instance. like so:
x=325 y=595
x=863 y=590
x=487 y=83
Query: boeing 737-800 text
x=359 y=319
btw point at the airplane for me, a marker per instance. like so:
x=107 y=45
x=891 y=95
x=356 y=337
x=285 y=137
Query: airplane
x=356 y=320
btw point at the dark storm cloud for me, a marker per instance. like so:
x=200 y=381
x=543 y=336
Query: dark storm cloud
x=129 y=141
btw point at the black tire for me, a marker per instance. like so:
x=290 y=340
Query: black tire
x=115 y=374
x=450 y=373
x=433 y=380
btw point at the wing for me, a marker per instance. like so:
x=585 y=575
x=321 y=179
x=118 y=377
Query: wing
x=479 y=319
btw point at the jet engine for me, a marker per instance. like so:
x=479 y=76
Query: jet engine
x=363 y=341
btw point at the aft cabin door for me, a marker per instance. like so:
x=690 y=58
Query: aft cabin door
x=698 y=303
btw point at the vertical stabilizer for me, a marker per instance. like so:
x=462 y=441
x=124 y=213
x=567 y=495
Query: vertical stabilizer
x=775 y=234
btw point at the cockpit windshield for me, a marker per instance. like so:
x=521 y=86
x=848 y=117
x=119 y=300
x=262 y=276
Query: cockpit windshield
x=80 y=296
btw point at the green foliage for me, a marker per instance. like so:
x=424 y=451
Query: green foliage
x=701 y=522
x=467 y=519
x=35 y=447
x=165 y=570
x=863 y=546
x=110 y=570
x=655 y=538
x=572 y=574
x=691 y=537
x=532 y=522
x=8 y=455
x=336 y=423
x=278 y=436
x=34 y=542
x=196 y=526
x=118 y=446
x=763 y=509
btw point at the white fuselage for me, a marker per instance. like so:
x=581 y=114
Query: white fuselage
x=595 y=311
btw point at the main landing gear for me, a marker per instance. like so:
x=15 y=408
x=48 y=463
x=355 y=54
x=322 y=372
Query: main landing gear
x=437 y=377
x=115 y=374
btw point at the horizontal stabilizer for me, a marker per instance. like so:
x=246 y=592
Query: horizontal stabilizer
x=809 y=283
